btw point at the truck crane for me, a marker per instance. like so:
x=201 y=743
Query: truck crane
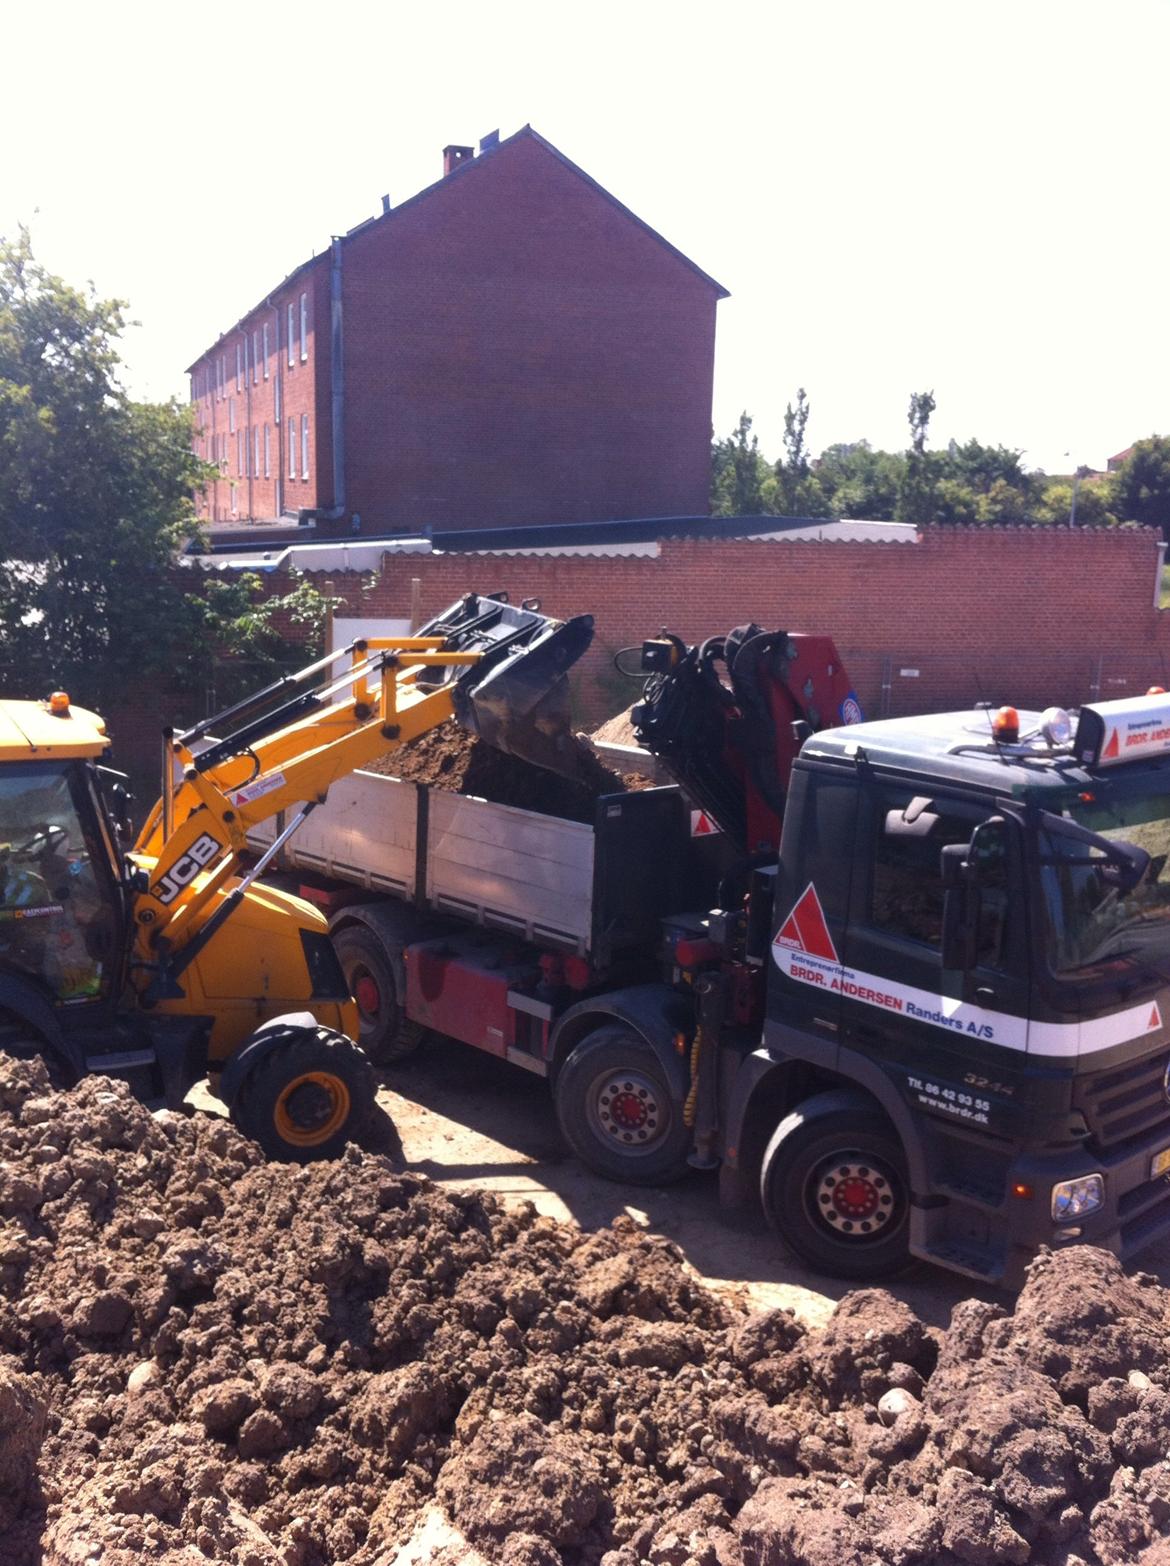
x=907 y=980
x=159 y=963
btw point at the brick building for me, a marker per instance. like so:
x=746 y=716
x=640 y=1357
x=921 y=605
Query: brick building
x=511 y=345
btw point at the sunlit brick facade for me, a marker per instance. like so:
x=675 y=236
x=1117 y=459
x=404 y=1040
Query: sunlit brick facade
x=515 y=346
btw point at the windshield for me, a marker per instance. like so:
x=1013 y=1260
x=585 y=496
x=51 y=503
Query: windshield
x=55 y=920
x=1090 y=918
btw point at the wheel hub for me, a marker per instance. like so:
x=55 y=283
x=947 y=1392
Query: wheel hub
x=628 y=1109
x=309 y=1106
x=365 y=992
x=854 y=1196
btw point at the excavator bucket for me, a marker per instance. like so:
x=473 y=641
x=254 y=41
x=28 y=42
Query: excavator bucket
x=516 y=698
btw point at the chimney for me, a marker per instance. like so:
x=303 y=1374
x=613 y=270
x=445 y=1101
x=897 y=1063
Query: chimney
x=455 y=157
x=385 y=205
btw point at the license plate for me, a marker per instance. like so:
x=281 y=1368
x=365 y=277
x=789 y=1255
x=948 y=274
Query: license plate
x=1160 y=1163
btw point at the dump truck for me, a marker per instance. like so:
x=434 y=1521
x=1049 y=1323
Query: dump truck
x=907 y=979
x=162 y=960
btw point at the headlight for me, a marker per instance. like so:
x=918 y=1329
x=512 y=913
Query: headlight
x=1077 y=1198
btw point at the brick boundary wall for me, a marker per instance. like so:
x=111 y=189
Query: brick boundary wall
x=1037 y=617
x=1033 y=616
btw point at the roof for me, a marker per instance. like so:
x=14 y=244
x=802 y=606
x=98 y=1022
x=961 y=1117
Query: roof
x=638 y=537
x=29 y=731
x=952 y=747
x=463 y=171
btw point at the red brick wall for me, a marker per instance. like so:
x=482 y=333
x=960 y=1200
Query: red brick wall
x=1035 y=617
x=518 y=350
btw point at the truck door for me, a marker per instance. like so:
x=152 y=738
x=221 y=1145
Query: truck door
x=811 y=905
x=898 y=1003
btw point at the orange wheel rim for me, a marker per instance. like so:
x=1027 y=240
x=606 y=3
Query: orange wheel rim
x=311 y=1108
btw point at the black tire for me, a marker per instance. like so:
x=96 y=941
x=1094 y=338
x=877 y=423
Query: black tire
x=863 y=1232
x=385 y=1034
x=618 y=1112
x=307 y=1098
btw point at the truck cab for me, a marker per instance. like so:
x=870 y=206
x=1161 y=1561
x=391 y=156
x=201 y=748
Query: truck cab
x=971 y=941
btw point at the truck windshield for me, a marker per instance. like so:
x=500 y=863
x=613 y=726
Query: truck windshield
x=1090 y=919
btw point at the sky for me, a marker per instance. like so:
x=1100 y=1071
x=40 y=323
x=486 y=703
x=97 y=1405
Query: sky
x=900 y=196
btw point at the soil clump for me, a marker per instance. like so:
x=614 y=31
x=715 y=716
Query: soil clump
x=454 y=760
x=206 y=1357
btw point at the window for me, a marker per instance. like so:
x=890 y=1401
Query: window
x=194 y=393
x=907 y=891
x=222 y=376
x=255 y=358
x=267 y=451
x=256 y=439
x=239 y=365
x=276 y=399
x=235 y=498
x=292 y=444
x=245 y=361
x=290 y=337
x=304 y=331
x=231 y=415
x=266 y=350
x=240 y=452
x=304 y=445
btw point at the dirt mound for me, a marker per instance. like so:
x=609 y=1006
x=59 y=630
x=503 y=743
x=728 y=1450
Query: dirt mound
x=452 y=759
x=208 y=1358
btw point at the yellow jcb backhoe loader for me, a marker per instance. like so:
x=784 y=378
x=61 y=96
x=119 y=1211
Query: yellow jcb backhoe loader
x=163 y=963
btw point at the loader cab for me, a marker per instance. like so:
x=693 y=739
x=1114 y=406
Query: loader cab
x=61 y=903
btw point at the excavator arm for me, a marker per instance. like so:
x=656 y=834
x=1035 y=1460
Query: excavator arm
x=498 y=668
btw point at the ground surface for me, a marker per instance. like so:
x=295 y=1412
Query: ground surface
x=207 y=1358
x=472 y=1122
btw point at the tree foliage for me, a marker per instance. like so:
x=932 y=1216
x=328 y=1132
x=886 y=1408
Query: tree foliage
x=968 y=483
x=1141 y=489
x=95 y=501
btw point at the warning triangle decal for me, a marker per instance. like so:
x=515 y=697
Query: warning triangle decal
x=702 y=824
x=1155 y=1017
x=1113 y=748
x=805 y=929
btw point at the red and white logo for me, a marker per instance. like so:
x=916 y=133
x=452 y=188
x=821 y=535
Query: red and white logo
x=1113 y=748
x=702 y=825
x=805 y=929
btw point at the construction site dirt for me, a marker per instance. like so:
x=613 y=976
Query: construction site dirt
x=205 y=1357
x=451 y=759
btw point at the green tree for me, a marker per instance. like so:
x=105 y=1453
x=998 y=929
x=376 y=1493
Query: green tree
x=916 y=492
x=1095 y=503
x=857 y=481
x=95 y=502
x=738 y=473
x=798 y=490
x=1141 y=489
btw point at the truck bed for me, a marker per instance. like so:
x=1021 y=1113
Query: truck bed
x=531 y=875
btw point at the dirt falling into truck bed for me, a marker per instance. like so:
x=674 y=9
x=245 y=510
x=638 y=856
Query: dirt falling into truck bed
x=452 y=759
x=205 y=1357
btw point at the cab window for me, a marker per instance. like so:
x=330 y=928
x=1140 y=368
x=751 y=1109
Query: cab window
x=906 y=889
x=57 y=919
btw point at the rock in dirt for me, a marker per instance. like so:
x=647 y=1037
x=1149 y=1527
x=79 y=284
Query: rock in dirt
x=295 y=1366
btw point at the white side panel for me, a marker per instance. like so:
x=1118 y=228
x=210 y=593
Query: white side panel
x=511 y=869
x=363 y=833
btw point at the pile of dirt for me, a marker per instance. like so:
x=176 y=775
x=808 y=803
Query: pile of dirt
x=208 y=1358
x=453 y=759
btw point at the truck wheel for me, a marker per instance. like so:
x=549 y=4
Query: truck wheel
x=617 y=1110
x=385 y=1033
x=307 y=1098
x=834 y=1188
